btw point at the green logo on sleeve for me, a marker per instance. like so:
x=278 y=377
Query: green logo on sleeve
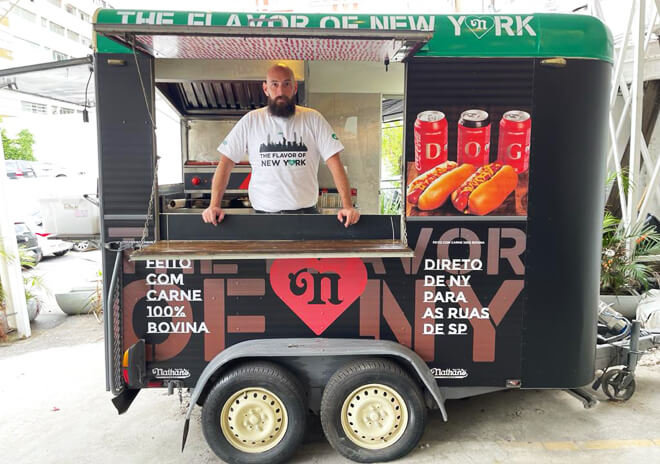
x=334 y=136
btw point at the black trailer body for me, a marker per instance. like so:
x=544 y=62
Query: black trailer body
x=464 y=295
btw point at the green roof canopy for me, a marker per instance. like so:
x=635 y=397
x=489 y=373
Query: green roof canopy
x=217 y=35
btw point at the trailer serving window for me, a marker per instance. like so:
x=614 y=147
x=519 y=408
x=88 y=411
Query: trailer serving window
x=179 y=231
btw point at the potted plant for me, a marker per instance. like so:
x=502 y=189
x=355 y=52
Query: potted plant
x=625 y=275
x=31 y=284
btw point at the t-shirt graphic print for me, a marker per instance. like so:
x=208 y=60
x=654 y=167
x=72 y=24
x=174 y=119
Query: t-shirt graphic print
x=284 y=154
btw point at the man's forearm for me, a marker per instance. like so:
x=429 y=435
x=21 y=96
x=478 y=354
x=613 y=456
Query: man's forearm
x=220 y=180
x=341 y=180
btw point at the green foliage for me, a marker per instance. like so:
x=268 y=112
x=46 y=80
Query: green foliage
x=19 y=148
x=391 y=153
x=622 y=272
x=94 y=303
x=31 y=283
x=392 y=148
x=390 y=202
x=625 y=180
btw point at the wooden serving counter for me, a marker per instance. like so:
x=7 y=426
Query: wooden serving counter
x=268 y=249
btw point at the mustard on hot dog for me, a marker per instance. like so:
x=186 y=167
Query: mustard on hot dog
x=421 y=182
x=485 y=190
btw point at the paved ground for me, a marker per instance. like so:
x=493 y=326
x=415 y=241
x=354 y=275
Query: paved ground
x=55 y=410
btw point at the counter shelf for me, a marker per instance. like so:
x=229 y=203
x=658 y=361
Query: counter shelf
x=269 y=249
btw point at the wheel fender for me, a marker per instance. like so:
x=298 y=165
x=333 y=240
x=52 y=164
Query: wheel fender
x=278 y=347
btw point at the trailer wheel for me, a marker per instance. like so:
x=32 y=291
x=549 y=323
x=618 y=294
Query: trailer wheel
x=372 y=410
x=618 y=384
x=255 y=414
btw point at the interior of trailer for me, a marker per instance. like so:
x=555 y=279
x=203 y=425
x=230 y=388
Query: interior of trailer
x=355 y=79
x=210 y=96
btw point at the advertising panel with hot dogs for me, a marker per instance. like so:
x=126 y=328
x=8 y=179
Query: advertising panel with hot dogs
x=484 y=173
x=468 y=133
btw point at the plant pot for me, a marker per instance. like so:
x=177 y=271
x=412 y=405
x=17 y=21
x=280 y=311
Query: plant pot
x=77 y=301
x=624 y=304
x=33 y=308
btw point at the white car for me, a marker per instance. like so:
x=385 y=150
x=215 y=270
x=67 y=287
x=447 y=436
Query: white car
x=46 y=169
x=53 y=246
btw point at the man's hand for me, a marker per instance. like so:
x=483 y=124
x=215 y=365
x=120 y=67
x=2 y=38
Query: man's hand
x=213 y=214
x=348 y=216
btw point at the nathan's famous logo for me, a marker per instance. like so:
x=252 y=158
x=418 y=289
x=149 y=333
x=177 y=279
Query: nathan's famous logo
x=501 y=25
x=170 y=373
x=283 y=153
x=318 y=291
x=439 y=373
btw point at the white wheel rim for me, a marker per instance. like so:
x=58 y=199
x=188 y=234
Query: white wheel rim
x=253 y=420
x=374 y=416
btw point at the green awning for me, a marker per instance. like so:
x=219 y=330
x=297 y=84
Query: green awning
x=224 y=35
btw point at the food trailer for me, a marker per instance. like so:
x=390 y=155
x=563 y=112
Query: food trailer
x=486 y=280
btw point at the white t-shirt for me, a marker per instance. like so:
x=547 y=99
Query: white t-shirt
x=284 y=154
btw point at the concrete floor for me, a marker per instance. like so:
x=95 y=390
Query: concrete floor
x=55 y=410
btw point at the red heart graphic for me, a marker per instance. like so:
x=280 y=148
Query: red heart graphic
x=318 y=290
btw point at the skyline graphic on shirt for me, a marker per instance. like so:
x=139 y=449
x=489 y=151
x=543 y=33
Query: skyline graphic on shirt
x=284 y=145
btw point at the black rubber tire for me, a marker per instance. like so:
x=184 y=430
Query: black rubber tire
x=61 y=253
x=364 y=372
x=264 y=375
x=611 y=385
x=81 y=246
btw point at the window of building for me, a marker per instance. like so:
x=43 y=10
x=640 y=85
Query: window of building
x=85 y=41
x=73 y=35
x=54 y=109
x=70 y=9
x=84 y=16
x=44 y=22
x=59 y=56
x=56 y=28
x=57 y=3
x=66 y=111
x=32 y=107
x=25 y=14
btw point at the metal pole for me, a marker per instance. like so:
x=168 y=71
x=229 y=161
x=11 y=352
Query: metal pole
x=10 y=266
x=618 y=83
x=108 y=316
x=636 y=114
x=651 y=187
x=617 y=164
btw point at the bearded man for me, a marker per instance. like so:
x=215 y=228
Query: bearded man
x=284 y=143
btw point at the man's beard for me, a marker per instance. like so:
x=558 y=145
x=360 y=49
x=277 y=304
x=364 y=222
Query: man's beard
x=281 y=106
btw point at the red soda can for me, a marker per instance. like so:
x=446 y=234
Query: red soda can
x=430 y=140
x=515 y=134
x=473 y=138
